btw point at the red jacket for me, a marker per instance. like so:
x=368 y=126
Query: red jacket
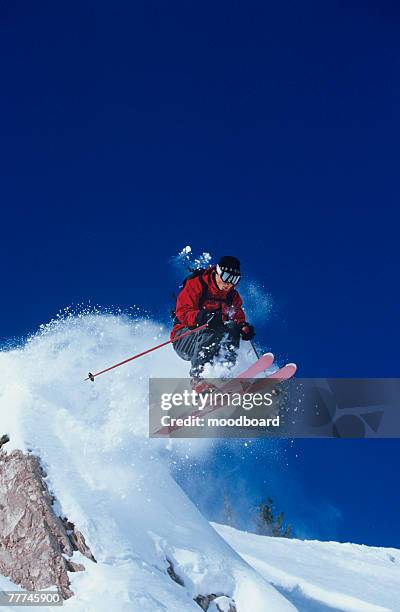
x=195 y=295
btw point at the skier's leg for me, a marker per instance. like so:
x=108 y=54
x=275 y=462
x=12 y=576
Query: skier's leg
x=208 y=344
x=230 y=343
x=200 y=348
x=186 y=346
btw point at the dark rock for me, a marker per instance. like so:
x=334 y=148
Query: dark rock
x=77 y=539
x=172 y=574
x=33 y=539
x=219 y=604
x=4 y=439
x=204 y=602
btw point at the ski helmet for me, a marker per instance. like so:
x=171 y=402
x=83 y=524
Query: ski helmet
x=228 y=268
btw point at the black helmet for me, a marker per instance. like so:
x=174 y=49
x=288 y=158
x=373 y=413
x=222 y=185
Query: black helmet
x=228 y=268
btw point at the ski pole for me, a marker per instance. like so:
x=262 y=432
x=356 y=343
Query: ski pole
x=91 y=376
x=254 y=349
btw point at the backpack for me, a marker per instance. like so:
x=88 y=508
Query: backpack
x=194 y=273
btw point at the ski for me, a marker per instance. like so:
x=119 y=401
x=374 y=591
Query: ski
x=272 y=380
x=280 y=375
x=234 y=384
x=284 y=373
x=270 y=383
x=263 y=363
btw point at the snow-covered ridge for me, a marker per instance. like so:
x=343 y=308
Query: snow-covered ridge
x=114 y=484
x=322 y=576
x=109 y=478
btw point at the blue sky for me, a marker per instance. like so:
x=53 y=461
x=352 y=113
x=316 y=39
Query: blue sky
x=268 y=131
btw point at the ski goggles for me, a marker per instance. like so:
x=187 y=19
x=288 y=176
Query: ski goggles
x=228 y=276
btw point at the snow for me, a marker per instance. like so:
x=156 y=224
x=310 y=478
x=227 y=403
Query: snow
x=114 y=483
x=109 y=478
x=186 y=260
x=318 y=576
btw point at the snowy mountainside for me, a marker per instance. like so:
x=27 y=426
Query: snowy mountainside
x=115 y=485
x=110 y=479
x=323 y=576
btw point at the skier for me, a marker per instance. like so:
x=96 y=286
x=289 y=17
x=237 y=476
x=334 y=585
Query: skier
x=210 y=296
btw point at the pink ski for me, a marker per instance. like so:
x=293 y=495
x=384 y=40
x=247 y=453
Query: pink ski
x=272 y=380
x=284 y=373
x=263 y=363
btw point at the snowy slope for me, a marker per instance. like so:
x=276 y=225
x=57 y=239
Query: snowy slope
x=110 y=479
x=114 y=484
x=323 y=576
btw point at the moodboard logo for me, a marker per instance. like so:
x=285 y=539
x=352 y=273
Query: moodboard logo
x=347 y=408
x=299 y=408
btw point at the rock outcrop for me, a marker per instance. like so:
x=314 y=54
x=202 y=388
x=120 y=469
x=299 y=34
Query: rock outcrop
x=208 y=603
x=216 y=603
x=36 y=545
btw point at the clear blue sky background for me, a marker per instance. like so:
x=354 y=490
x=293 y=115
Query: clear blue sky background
x=265 y=130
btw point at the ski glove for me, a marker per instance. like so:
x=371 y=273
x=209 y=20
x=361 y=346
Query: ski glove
x=247 y=332
x=215 y=321
x=212 y=318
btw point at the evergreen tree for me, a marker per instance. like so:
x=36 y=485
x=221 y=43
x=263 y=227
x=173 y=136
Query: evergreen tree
x=277 y=527
x=269 y=524
x=227 y=512
x=265 y=517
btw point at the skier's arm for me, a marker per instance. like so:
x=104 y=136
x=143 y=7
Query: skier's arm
x=187 y=303
x=238 y=315
x=247 y=331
